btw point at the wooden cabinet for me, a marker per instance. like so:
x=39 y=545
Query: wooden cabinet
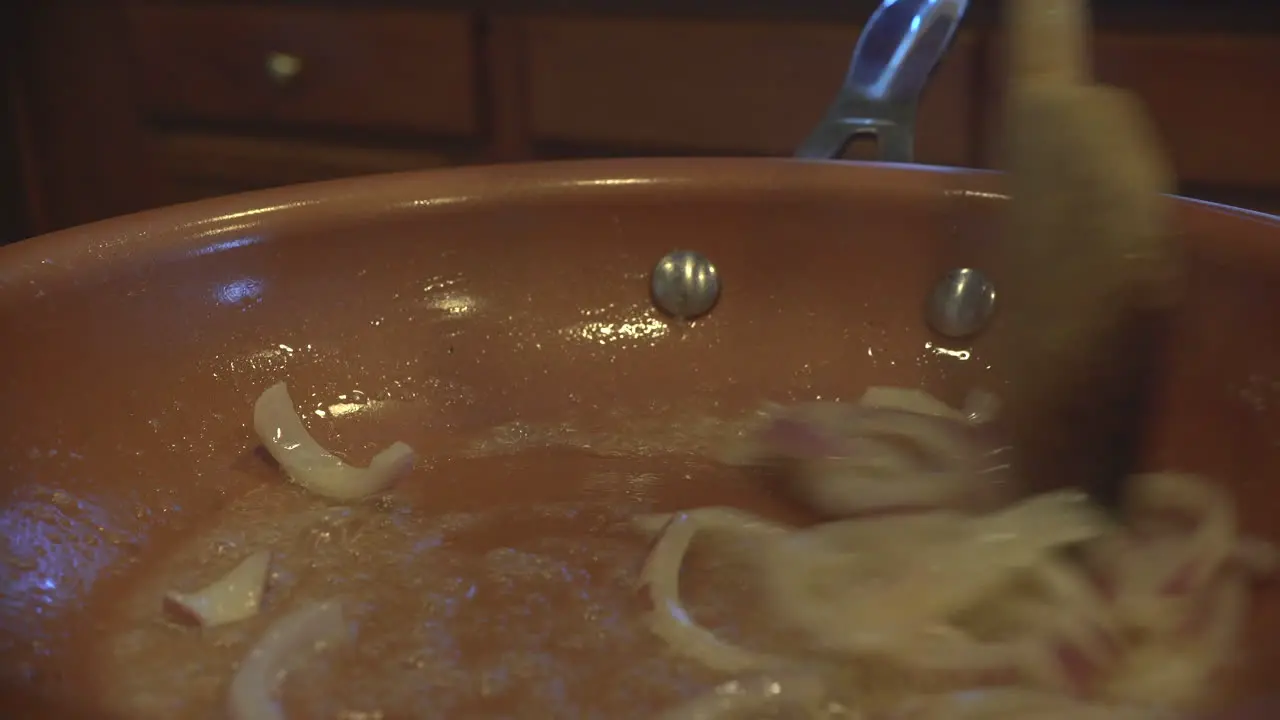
x=129 y=104
x=197 y=165
x=715 y=87
x=1212 y=97
x=370 y=68
x=234 y=96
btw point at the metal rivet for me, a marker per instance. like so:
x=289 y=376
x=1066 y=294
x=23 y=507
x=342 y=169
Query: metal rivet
x=961 y=303
x=685 y=284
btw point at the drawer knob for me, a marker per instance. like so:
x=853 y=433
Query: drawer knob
x=283 y=67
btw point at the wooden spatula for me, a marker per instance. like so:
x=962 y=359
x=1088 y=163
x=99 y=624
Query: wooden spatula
x=1092 y=269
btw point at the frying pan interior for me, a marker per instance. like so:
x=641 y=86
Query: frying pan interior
x=493 y=318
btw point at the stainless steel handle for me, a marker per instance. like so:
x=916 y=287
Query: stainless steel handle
x=899 y=48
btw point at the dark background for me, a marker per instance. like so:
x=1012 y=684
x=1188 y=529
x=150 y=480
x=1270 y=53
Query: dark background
x=113 y=106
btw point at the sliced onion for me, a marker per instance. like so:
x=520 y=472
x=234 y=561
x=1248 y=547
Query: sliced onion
x=1228 y=608
x=799 y=438
x=1184 y=535
x=1212 y=540
x=948 y=652
x=1257 y=558
x=714 y=519
x=935 y=442
x=1017 y=704
x=1066 y=654
x=1175 y=669
x=838 y=488
x=1068 y=584
x=896 y=450
x=882 y=586
x=669 y=619
x=751 y=697
x=909 y=400
x=1043 y=522
x=1076 y=635
x=281 y=431
x=311 y=629
x=235 y=596
x=981 y=407
x=1047 y=593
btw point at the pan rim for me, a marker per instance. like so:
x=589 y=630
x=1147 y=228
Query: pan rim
x=104 y=248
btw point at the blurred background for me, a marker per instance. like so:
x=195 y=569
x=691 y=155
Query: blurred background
x=114 y=106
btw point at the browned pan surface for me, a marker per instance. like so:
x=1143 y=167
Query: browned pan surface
x=498 y=320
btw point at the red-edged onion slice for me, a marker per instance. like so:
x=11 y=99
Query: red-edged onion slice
x=311 y=629
x=1183 y=535
x=235 y=596
x=1213 y=537
x=277 y=424
x=669 y=620
x=1047 y=593
x=1176 y=668
x=895 y=450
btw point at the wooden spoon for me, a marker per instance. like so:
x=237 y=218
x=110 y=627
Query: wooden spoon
x=1092 y=268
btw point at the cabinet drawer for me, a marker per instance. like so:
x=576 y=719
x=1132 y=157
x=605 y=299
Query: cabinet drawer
x=373 y=68
x=717 y=86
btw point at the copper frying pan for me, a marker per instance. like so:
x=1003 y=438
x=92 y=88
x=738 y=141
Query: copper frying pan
x=500 y=320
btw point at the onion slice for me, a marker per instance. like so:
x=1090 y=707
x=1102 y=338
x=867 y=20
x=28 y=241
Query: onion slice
x=852 y=589
x=909 y=400
x=312 y=628
x=751 y=697
x=894 y=450
x=669 y=619
x=715 y=518
x=235 y=596
x=281 y=431
x=1017 y=704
